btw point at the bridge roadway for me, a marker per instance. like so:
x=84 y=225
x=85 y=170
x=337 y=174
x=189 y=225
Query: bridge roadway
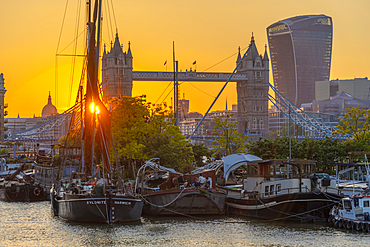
x=187 y=76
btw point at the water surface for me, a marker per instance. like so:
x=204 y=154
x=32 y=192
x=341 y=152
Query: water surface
x=31 y=224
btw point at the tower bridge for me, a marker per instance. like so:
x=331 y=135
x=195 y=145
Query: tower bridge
x=188 y=76
x=251 y=76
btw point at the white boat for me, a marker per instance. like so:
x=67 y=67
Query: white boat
x=352 y=179
x=352 y=213
x=279 y=189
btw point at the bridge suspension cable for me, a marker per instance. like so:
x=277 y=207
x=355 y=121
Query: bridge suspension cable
x=47 y=126
x=299 y=116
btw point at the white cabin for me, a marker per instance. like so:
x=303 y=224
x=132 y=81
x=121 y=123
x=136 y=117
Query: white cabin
x=355 y=207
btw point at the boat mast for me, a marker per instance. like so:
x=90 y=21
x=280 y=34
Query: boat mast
x=90 y=93
x=98 y=44
x=82 y=131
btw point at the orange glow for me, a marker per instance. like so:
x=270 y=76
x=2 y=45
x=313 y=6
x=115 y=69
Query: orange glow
x=205 y=31
x=97 y=110
x=92 y=107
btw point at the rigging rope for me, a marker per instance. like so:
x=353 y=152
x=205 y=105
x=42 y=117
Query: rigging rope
x=114 y=16
x=163 y=93
x=56 y=70
x=74 y=50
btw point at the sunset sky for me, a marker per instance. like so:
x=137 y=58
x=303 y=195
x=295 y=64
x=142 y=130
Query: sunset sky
x=205 y=31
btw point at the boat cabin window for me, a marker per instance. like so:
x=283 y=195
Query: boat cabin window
x=272 y=189
x=281 y=172
x=266 y=190
x=272 y=170
x=308 y=169
x=347 y=205
x=278 y=188
x=251 y=170
x=366 y=204
x=356 y=202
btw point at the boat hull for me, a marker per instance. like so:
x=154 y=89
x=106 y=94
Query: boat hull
x=97 y=208
x=294 y=206
x=21 y=192
x=342 y=222
x=184 y=202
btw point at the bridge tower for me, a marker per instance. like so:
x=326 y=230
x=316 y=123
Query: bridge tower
x=116 y=71
x=253 y=94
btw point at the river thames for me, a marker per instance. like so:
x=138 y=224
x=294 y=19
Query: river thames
x=31 y=224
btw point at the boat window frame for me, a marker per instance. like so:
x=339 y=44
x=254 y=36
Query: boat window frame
x=345 y=205
x=267 y=187
x=272 y=189
x=366 y=203
x=278 y=189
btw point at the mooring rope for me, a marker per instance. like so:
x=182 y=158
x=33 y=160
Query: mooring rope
x=98 y=207
x=162 y=206
x=290 y=215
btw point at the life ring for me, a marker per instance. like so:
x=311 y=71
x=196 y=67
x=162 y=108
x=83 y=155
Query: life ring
x=330 y=222
x=349 y=224
x=335 y=223
x=37 y=191
x=358 y=226
x=363 y=226
x=340 y=223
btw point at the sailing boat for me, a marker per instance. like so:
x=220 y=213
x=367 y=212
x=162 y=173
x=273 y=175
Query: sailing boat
x=83 y=198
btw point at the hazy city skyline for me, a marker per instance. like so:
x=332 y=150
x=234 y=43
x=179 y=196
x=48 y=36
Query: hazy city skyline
x=204 y=31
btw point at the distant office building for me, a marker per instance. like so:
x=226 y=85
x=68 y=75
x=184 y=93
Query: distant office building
x=117 y=71
x=300 y=51
x=338 y=104
x=358 y=88
x=278 y=123
x=204 y=133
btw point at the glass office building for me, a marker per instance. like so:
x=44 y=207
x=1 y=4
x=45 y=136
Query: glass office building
x=300 y=51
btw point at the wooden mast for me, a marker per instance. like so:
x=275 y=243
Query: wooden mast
x=100 y=111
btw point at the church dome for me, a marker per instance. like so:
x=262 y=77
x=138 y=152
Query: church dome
x=49 y=109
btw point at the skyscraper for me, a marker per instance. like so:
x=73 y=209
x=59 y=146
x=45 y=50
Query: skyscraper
x=300 y=52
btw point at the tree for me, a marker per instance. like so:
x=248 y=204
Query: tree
x=72 y=139
x=129 y=130
x=130 y=127
x=143 y=130
x=200 y=151
x=227 y=139
x=263 y=148
x=356 y=123
x=277 y=148
x=323 y=151
x=165 y=141
x=328 y=150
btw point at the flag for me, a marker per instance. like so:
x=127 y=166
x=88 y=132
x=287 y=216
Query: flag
x=195 y=62
x=165 y=63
